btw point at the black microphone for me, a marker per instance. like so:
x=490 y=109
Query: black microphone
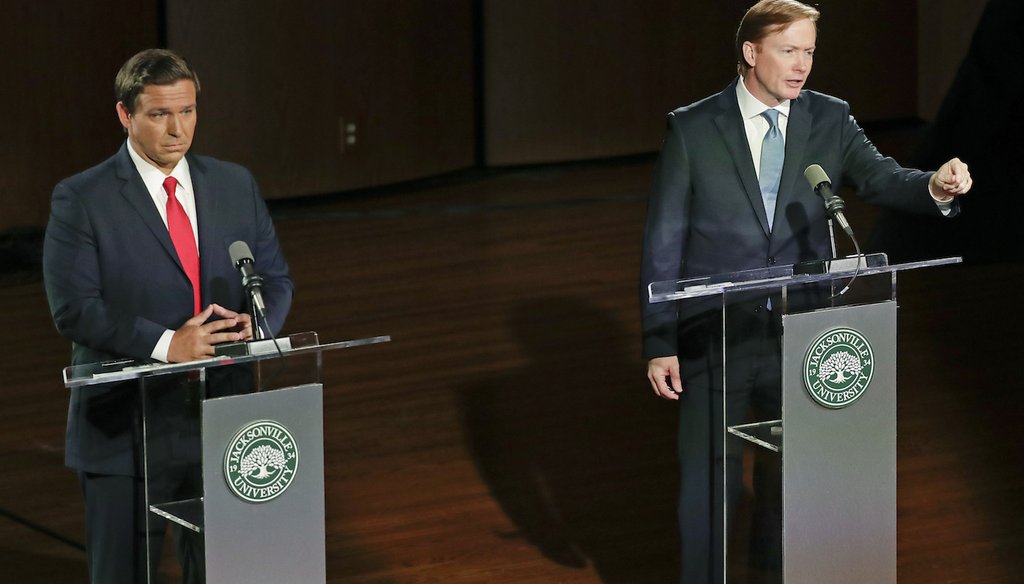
x=241 y=257
x=834 y=205
x=822 y=185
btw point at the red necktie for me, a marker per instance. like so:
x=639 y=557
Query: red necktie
x=184 y=240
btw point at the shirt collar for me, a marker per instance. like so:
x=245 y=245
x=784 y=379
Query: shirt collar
x=153 y=177
x=751 y=107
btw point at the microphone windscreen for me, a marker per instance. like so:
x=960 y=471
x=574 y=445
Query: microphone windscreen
x=239 y=251
x=815 y=175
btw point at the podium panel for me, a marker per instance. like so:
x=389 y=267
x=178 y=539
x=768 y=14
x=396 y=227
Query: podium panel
x=263 y=482
x=839 y=445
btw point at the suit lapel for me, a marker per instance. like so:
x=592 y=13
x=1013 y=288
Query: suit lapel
x=730 y=124
x=134 y=192
x=206 y=215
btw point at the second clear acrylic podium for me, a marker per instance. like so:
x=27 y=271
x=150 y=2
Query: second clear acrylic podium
x=233 y=454
x=823 y=501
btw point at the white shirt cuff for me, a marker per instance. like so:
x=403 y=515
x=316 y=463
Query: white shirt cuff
x=945 y=206
x=163 y=346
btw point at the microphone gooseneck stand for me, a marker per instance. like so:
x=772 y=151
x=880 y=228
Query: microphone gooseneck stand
x=820 y=183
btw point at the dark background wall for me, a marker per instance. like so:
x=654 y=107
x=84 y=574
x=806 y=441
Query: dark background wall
x=59 y=61
x=584 y=79
x=291 y=83
x=423 y=87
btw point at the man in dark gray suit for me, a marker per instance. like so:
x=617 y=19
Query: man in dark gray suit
x=136 y=265
x=720 y=204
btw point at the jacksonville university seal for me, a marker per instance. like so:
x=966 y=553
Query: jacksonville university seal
x=838 y=367
x=260 y=461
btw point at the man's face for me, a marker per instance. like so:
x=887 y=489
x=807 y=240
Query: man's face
x=780 y=63
x=161 y=127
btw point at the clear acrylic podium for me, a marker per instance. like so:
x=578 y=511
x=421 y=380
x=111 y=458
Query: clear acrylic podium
x=233 y=454
x=831 y=489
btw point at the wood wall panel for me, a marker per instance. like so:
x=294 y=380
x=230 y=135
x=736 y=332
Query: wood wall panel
x=282 y=80
x=946 y=29
x=867 y=55
x=582 y=79
x=562 y=80
x=57 y=94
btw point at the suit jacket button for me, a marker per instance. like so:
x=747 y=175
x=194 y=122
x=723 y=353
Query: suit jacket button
x=757 y=309
x=771 y=260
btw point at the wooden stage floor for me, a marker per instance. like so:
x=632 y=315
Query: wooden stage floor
x=507 y=433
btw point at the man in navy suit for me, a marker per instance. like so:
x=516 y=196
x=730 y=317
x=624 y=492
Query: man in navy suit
x=136 y=265
x=708 y=214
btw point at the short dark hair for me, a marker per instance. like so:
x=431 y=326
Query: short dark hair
x=150 y=67
x=769 y=17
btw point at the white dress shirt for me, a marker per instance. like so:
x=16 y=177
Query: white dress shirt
x=153 y=178
x=755 y=124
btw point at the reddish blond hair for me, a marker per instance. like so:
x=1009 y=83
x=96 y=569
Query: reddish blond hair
x=768 y=17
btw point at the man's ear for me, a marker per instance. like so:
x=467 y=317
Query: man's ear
x=750 y=53
x=123 y=115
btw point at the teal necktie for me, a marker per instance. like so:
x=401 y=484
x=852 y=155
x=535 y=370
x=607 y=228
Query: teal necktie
x=773 y=153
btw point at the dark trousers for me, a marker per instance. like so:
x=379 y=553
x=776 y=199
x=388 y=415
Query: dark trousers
x=752 y=379
x=116 y=529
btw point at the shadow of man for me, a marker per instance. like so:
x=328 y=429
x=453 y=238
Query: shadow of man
x=575 y=451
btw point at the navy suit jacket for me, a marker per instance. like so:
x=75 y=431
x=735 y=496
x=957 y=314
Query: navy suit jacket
x=115 y=284
x=705 y=214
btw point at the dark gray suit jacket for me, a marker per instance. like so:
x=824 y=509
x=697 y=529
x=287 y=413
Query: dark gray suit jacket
x=705 y=214
x=114 y=282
